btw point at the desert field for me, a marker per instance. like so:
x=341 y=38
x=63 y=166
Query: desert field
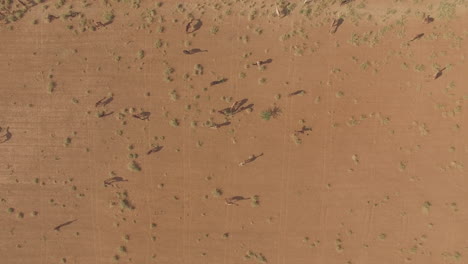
x=233 y=131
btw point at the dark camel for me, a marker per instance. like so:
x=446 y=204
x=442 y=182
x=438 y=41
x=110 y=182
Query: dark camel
x=296 y=93
x=218 y=81
x=114 y=179
x=57 y=228
x=154 y=150
x=439 y=73
x=428 y=19
x=418 y=36
x=193 y=51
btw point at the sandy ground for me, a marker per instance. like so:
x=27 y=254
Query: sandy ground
x=377 y=176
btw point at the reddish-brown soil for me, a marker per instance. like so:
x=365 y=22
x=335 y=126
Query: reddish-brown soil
x=363 y=149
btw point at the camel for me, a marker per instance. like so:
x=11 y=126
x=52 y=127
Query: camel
x=219 y=125
x=260 y=63
x=233 y=200
x=142 y=115
x=114 y=179
x=193 y=51
x=235 y=108
x=252 y=158
x=428 y=19
x=154 y=150
x=439 y=73
x=418 y=36
x=336 y=24
x=193 y=25
x=303 y=130
x=57 y=228
x=104 y=101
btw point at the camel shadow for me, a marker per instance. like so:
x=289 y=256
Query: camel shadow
x=142 y=115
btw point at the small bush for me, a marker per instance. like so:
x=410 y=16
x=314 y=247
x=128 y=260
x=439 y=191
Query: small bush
x=270 y=113
x=174 y=122
x=217 y=192
x=134 y=166
x=108 y=17
x=51 y=86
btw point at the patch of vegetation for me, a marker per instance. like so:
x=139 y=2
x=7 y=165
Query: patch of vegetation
x=51 y=86
x=123 y=249
x=67 y=141
x=108 y=17
x=296 y=139
x=158 y=43
x=355 y=40
x=174 y=122
x=214 y=30
x=141 y=54
x=257 y=256
x=198 y=69
x=124 y=201
x=245 y=39
x=255 y=201
x=217 y=192
x=174 y=95
x=134 y=166
x=382 y=236
x=403 y=165
x=426 y=207
x=339 y=245
x=272 y=112
x=419 y=67
x=447 y=9
x=404 y=66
